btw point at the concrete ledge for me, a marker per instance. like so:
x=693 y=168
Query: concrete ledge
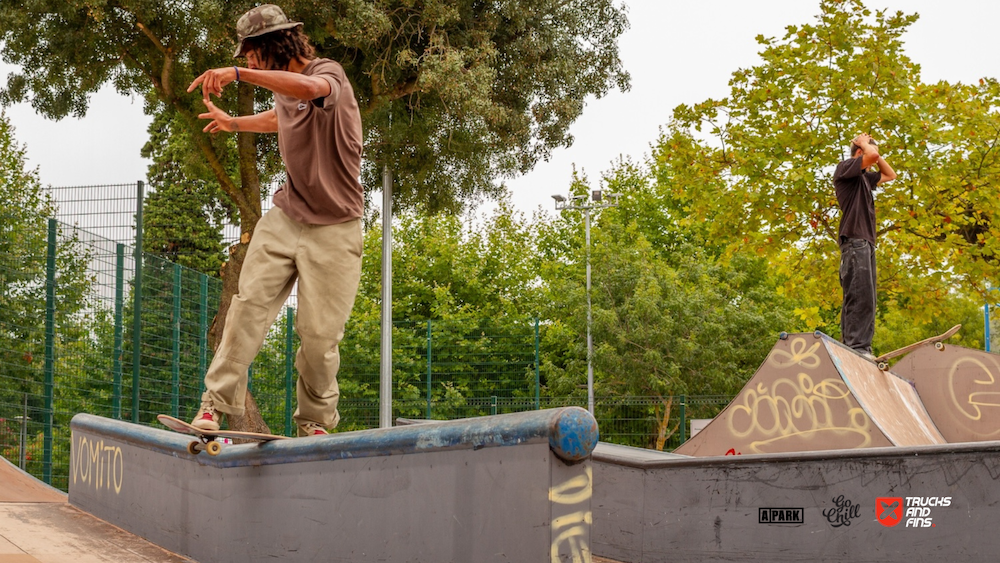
x=513 y=487
x=571 y=432
x=659 y=508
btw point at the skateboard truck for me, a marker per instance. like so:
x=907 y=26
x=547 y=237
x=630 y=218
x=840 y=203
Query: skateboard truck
x=204 y=445
x=207 y=440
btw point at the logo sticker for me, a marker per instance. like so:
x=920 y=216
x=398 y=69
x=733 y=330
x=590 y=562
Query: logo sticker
x=842 y=513
x=780 y=516
x=889 y=510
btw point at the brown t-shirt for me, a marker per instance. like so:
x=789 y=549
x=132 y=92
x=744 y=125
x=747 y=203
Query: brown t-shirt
x=854 y=194
x=320 y=142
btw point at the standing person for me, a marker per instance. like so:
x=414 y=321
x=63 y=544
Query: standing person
x=313 y=233
x=855 y=184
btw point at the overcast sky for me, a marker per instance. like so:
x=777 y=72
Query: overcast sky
x=677 y=52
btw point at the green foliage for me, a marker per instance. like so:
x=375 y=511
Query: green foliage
x=442 y=267
x=24 y=204
x=453 y=94
x=668 y=318
x=456 y=94
x=24 y=274
x=477 y=285
x=755 y=168
x=183 y=216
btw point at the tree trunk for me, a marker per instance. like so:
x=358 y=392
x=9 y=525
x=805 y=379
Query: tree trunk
x=664 y=431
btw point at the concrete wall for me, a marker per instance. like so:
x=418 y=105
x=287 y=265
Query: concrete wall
x=651 y=507
x=505 y=488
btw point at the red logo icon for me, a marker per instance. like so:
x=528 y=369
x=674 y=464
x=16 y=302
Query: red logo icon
x=889 y=510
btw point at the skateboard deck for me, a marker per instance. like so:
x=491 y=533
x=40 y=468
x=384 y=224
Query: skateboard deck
x=938 y=341
x=207 y=438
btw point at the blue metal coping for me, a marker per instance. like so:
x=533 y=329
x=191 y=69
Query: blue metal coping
x=571 y=432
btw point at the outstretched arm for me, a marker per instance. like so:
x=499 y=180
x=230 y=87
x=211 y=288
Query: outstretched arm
x=286 y=83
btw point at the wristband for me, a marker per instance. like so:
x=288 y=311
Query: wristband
x=237 y=69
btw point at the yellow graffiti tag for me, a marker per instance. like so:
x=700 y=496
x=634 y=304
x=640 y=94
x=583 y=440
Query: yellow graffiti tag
x=974 y=403
x=571 y=531
x=800 y=355
x=574 y=491
x=797 y=408
x=98 y=465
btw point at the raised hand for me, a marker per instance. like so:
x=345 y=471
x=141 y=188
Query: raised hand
x=221 y=121
x=213 y=81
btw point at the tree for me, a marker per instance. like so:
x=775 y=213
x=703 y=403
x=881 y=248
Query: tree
x=478 y=286
x=755 y=167
x=453 y=94
x=25 y=207
x=183 y=216
x=669 y=318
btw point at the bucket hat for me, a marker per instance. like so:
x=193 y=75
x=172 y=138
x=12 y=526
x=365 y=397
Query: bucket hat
x=258 y=21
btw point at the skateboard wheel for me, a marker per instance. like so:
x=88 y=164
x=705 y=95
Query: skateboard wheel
x=939 y=345
x=783 y=336
x=194 y=448
x=883 y=366
x=213 y=448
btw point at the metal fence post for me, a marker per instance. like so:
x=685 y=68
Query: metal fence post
x=203 y=330
x=116 y=388
x=538 y=379
x=385 y=359
x=50 y=345
x=986 y=319
x=137 y=303
x=22 y=450
x=493 y=404
x=289 y=319
x=175 y=364
x=429 y=364
x=683 y=424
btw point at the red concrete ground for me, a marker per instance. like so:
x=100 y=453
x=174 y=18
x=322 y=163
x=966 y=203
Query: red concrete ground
x=38 y=525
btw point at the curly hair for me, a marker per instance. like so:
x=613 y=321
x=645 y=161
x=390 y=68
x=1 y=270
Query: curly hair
x=278 y=48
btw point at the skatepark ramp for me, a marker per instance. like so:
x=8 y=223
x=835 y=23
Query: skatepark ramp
x=38 y=526
x=512 y=487
x=905 y=504
x=813 y=393
x=960 y=387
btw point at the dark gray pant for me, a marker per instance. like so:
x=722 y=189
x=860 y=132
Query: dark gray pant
x=857 y=278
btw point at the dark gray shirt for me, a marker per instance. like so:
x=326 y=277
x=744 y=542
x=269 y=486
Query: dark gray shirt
x=854 y=194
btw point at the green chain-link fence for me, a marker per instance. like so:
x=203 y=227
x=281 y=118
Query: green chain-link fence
x=85 y=326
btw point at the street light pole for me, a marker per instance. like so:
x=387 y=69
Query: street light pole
x=986 y=319
x=596 y=202
x=590 y=321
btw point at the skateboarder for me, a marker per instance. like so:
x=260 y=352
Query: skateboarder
x=854 y=185
x=313 y=233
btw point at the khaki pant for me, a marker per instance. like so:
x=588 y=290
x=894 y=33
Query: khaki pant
x=326 y=261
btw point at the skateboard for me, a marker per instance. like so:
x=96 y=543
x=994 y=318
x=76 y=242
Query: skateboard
x=206 y=438
x=882 y=361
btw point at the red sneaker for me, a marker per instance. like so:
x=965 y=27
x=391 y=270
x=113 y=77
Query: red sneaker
x=207 y=418
x=312 y=429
